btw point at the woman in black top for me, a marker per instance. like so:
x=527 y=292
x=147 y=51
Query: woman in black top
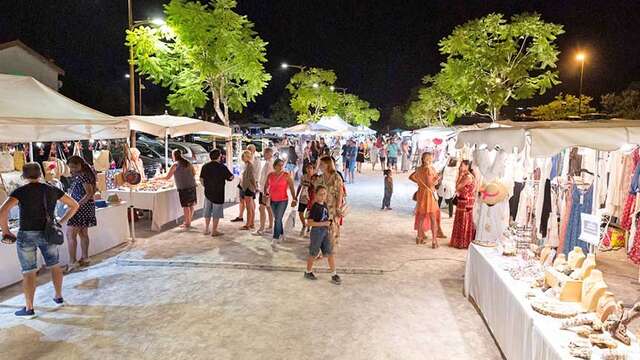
x=37 y=201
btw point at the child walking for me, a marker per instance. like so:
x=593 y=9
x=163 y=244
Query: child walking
x=305 y=194
x=319 y=222
x=388 y=190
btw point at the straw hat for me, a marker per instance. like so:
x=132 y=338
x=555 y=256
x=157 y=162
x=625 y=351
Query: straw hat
x=492 y=193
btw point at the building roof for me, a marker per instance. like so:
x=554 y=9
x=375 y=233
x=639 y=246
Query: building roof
x=33 y=53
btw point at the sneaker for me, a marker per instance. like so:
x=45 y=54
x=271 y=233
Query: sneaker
x=59 y=301
x=310 y=276
x=238 y=219
x=25 y=314
x=336 y=279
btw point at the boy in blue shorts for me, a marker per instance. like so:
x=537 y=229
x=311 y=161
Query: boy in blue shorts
x=319 y=222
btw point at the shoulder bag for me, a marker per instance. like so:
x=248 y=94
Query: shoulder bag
x=52 y=229
x=132 y=176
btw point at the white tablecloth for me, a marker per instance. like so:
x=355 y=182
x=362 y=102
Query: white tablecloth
x=165 y=204
x=112 y=229
x=521 y=332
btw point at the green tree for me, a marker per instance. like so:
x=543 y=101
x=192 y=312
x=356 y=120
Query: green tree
x=491 y=61
x=564 y=107
x=434 y=106
x=312 y=95
x=356 y=111
x=626 y=104
x=281 y=112
x=204 y=53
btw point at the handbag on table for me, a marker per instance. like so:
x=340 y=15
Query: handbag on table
x=6 y=162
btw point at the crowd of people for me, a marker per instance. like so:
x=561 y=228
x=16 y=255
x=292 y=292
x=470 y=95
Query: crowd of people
x=318 y=201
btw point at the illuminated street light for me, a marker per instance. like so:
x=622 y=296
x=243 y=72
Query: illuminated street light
x=158 y=21
x=285 y=66
x=315 y=85
x=127 y=76
x=580 y=57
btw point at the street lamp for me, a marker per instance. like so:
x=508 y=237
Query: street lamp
x=315 y=85
x=333 y=88
x=580 y=57
x=285 y=66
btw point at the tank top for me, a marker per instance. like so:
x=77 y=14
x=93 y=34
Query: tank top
x=278 y=187
x=184 y=177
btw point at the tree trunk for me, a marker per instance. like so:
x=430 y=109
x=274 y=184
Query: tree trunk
x=224 y=116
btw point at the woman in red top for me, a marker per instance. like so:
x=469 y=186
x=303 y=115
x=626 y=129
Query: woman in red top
x=276 y=191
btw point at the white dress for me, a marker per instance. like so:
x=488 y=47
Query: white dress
x=490 y=221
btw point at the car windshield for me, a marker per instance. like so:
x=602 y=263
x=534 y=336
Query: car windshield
x=197 y=149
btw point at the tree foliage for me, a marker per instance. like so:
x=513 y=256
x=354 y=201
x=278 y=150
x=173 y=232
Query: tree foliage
x=205 y=52
x=356 y=111
x=434 y=106
x=626 y=104
x=281 y=112
x=563 y=107
x=313 y=96
x=491 y=61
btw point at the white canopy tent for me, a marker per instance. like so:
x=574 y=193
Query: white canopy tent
x=31 y=111
x=172 y=126
x=336 y=123
x=308 y=129
x=365 y=130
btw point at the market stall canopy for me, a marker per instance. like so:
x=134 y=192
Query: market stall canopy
x=336 y=123
x=505 y=137
x=364 y=130
x=550 y=137
x=174 y=126
x=435 y=132
x=31 y=111
x=308 y=129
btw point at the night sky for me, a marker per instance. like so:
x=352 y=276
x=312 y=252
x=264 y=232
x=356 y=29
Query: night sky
x=379 y=49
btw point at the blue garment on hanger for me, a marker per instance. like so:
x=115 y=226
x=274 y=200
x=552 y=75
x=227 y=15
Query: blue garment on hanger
x=635 y=181
x=555 y=166
x=582 y=203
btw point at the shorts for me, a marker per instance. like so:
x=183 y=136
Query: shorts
x=26 y=245
x=320 y=241
x=212 y=210
x=240 y=192
x=248 y=194
x=302 y=207
x=393 y=161
x=188 y=197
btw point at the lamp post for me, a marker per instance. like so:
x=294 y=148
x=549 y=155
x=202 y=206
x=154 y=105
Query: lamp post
x=580 y=57
x=333 y=88
x=285 y=66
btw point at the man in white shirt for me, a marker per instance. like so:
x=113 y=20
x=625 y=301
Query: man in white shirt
x=265 y=208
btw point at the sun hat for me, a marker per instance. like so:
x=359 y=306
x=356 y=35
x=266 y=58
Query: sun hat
x=492 y=193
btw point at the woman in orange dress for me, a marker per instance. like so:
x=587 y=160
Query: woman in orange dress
x=463 y=228
x=426 y=203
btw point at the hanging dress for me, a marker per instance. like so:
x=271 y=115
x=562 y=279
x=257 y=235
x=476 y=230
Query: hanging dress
x=581 y=203
x=630 y=204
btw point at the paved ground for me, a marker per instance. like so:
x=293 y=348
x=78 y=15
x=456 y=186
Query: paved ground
x=401 y=301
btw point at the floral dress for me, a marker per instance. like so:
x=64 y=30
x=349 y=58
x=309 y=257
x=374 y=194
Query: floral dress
x=86 y=215
x=334 y=184
x=463 y=228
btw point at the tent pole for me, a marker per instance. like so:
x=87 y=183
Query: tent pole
x=31 y=159
x=596 y=202
x=166 y=151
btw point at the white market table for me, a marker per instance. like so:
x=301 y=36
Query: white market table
x=112 y=230
x=521 y=332
x=165 y=205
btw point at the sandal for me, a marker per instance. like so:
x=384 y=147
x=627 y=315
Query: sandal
x=245 y=227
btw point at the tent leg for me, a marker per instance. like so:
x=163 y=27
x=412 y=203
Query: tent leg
x=31 y=159
x=166 y=152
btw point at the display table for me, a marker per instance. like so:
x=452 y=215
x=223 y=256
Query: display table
x=521 y=332
x=112 y=230
x=165 y=204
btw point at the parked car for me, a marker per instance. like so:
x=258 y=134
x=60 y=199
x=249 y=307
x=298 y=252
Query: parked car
x=198 y=153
